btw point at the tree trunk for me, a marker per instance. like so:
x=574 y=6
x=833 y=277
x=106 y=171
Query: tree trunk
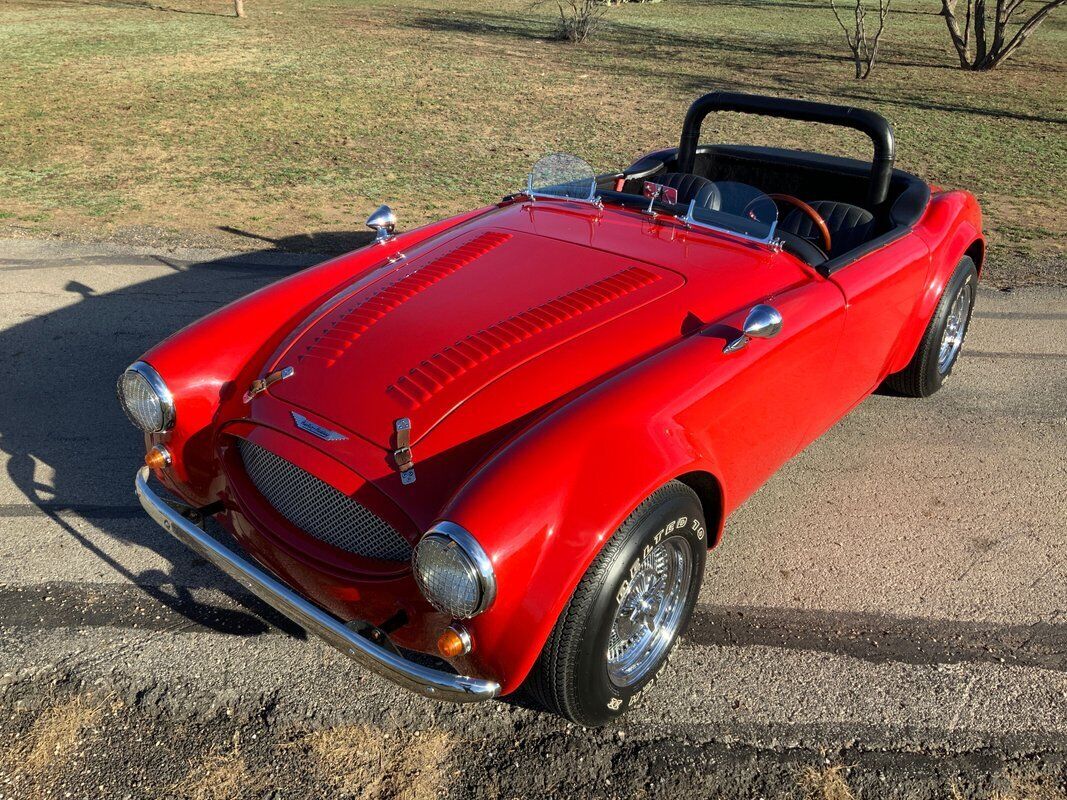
x=979 y=31
x=959 y=38
x=990 y=51
x=239 y=7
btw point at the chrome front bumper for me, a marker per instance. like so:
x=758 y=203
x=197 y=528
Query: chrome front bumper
x=429 y=682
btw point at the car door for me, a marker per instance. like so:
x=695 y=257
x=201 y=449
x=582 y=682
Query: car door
x=880 y=291
x=766 y=395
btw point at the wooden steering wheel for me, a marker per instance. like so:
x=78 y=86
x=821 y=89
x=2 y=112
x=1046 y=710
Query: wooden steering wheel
x=816 y=218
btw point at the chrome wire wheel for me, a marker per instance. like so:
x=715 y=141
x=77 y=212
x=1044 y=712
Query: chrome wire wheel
x=955 y=327
x=651 y=612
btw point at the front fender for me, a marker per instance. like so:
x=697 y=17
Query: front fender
x=543 y=507
x=545 y=504
x=951 y=226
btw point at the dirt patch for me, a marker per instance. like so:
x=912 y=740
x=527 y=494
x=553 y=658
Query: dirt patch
x=361 y=761
x=35 y=763
x=222 y=775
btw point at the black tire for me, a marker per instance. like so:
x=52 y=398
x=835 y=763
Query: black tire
x=571 y=675
x=923 y=376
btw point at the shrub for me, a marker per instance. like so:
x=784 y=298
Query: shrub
x=579 y=19
x=862 y=43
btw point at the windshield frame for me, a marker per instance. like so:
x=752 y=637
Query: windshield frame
x=594 y=182
x=690 y=220
x=730 y=224
x=681 y=213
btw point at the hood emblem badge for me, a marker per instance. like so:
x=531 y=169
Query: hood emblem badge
x=315 y=429
x=260 y=385
x=405 y=461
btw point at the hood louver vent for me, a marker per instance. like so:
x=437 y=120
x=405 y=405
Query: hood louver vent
x=355 y=321
x=421 y=383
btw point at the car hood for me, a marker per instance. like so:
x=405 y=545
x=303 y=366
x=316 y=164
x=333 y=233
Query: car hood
x=445 y=322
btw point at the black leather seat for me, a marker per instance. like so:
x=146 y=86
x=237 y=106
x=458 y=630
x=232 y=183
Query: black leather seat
x=691 y=187
x=850 y=226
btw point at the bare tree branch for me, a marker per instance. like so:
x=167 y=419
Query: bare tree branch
x=578 y=19
x=991 y=51
x=864 y=47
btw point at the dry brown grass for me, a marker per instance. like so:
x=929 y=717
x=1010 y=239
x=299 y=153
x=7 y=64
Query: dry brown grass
x=1030 y=790
x=118 y=118
x=222 y=775
x=34 y=766
x=56 y=734
x=359 y=761
x=825 y=783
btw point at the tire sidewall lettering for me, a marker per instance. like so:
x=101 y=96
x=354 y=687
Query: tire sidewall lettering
x=635 y=567
x=614 y=700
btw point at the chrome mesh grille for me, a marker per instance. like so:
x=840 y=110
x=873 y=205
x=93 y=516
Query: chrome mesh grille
x=320 y=510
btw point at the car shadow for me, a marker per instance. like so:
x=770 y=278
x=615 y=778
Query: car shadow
x=70 y=451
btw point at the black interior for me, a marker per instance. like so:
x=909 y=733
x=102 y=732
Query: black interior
x=692 y=187
x=864 y=204
x=838 y=188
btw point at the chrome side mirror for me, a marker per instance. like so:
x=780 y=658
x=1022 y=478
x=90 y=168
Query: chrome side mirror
x=762 y=322
x=383 y=223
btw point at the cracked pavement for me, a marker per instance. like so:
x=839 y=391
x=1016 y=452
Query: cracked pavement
x=893 y=600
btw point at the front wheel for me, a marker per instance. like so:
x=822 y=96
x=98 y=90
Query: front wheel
x=628 y=611
x=941 y=343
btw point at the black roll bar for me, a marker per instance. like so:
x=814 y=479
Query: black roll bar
x=874 y=125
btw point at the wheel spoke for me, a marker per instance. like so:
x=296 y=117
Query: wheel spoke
x=650 y=613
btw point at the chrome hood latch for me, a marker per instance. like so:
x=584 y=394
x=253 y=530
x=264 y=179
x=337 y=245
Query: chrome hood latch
x=405 y=461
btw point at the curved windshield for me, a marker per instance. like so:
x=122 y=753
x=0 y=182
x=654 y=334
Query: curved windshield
x=726 y=206
x=562 y=175
x=741 y=209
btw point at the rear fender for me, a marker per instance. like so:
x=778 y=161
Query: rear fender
x=951 y=227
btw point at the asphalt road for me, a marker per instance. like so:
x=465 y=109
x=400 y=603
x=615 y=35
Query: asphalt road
x=893 y=601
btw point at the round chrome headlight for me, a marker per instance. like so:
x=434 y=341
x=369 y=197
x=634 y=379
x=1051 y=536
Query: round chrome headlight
x=453 y=571
x=145 y=398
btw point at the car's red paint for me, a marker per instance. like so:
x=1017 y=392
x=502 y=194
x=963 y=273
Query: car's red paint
x=559 y=362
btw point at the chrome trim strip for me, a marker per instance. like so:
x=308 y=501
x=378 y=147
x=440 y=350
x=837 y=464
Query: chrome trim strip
x=428 y=682
x=482 y=565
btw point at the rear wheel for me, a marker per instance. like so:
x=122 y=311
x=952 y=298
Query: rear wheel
x=627 y=613
x=940 y=346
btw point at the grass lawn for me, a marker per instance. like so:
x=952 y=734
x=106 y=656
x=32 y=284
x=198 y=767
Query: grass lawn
x=121 y=119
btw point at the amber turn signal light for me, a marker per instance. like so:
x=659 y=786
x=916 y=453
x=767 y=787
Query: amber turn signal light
x=158 y=457
x=455 y=641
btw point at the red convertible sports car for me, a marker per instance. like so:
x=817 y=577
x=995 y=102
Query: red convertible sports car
x=493 y=452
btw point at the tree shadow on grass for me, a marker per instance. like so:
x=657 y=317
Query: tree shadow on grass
x=638 y=41
x=131 y=4
x=70 y=450
x=643 y=52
